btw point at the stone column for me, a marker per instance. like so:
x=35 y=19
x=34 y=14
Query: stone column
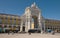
x=28 y=15
x=44 y=25
x=31 y=23
x=21 y=25
x=28 y=23
x=40 y=22
x=26 y=26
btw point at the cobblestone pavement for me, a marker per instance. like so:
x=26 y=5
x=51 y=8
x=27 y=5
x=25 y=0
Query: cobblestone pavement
x=34 y=35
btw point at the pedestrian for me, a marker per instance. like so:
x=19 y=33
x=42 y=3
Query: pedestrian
x=53 y=32
x=8 y=32
x=29 y=33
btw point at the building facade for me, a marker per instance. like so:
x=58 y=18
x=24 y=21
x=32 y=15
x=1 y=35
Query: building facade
x=31 y=19
x=52 y=24
x=8 y=21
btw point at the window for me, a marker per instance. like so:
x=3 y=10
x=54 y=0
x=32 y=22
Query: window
x=5 y=26
x=6 y=18
x=0 y=25
x=0 y=21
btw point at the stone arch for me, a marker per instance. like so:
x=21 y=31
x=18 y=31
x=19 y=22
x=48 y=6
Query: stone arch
x=34 y=13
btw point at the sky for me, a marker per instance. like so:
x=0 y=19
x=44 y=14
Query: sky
x=50 y=8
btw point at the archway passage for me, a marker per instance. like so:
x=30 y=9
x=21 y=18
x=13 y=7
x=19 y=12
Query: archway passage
x=23 y=28
x=35 y=21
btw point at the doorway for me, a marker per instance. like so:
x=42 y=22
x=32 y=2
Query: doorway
x=23 y=28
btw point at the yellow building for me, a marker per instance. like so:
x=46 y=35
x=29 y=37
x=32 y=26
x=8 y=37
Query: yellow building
x=52 y=24
x=8 y=20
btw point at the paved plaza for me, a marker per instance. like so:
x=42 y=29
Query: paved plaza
x=34 y=35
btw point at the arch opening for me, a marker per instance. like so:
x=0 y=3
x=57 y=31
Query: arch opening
x=35 y=21
x=23 y=28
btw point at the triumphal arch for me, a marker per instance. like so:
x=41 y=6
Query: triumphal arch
x=32 y=19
